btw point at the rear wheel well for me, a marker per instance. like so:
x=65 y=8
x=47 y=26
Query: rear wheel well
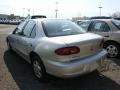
x=35 y=57
x=110 y=41
x=32 y=54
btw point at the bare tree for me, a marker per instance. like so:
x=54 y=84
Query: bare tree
x=116 y=15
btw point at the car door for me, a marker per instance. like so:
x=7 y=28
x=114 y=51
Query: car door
x=27 y=39
x=101 y=28
x=16 y=35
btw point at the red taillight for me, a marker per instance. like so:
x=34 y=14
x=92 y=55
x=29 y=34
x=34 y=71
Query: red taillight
x=67 y=50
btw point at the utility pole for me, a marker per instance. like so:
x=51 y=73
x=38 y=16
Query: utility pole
x=23 y=11
x=79 y=15
x=56 y=10
x=100 y=9
x=28 y=12
x=33 y=11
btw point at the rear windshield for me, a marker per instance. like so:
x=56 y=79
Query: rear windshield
x=116 y=23
x=53 y=28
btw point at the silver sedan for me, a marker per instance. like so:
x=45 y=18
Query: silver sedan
x=109 y=29
x=57 y=47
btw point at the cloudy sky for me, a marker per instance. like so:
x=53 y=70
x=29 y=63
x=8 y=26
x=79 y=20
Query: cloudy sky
x=67 y=8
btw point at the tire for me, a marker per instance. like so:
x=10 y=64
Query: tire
x=113 y=49
x=38 y=68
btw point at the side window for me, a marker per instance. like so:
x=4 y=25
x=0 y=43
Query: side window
x=100 y=26
x=28 y=28
x=20 y=28
x=107 y=28
x=33 y=34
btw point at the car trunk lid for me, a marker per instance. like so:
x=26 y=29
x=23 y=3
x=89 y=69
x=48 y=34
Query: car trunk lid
x=88 y=43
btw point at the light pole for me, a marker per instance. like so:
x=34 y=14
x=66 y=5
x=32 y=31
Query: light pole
x=33 y=11
x=28 y=12
x=23 y=11
x=56 y=10
x=100 y=8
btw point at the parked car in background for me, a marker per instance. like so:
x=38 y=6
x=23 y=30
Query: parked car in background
x=58 y=47
x=109 y=29
x=84 y=24
x=101 y=17
x=0 y=21
x=80 y=21
x=35 y=17
x=15 y=21
x=117 y=18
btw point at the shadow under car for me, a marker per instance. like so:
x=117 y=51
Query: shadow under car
x=23 y=75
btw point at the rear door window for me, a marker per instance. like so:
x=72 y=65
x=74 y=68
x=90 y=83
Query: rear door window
x=33 y=34
x=20 y=28
x=28 y=28
x=116 y=23
x=100 y=26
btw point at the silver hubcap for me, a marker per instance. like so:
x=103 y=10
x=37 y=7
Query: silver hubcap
x=112 y=51
x=37 y=69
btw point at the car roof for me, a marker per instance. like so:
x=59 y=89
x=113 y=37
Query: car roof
x=101 y=17
x=84 y=20
x=106 y=20
x=38 y=16
x=42 y=19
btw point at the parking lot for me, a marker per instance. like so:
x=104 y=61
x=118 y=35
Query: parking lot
x=16 y=74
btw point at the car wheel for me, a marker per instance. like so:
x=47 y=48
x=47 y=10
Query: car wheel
x=113 y=50
x=38 y=67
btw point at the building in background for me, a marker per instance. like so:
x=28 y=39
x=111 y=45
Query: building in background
x=3 y=17
x=10 y=17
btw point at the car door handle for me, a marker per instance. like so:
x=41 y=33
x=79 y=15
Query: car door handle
x=106 y=36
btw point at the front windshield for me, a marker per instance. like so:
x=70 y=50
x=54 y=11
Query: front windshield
x=53 y=28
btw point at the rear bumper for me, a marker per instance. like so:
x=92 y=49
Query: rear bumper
x=75 y=67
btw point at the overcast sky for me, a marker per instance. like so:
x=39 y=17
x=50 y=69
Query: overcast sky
x=67 y=8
